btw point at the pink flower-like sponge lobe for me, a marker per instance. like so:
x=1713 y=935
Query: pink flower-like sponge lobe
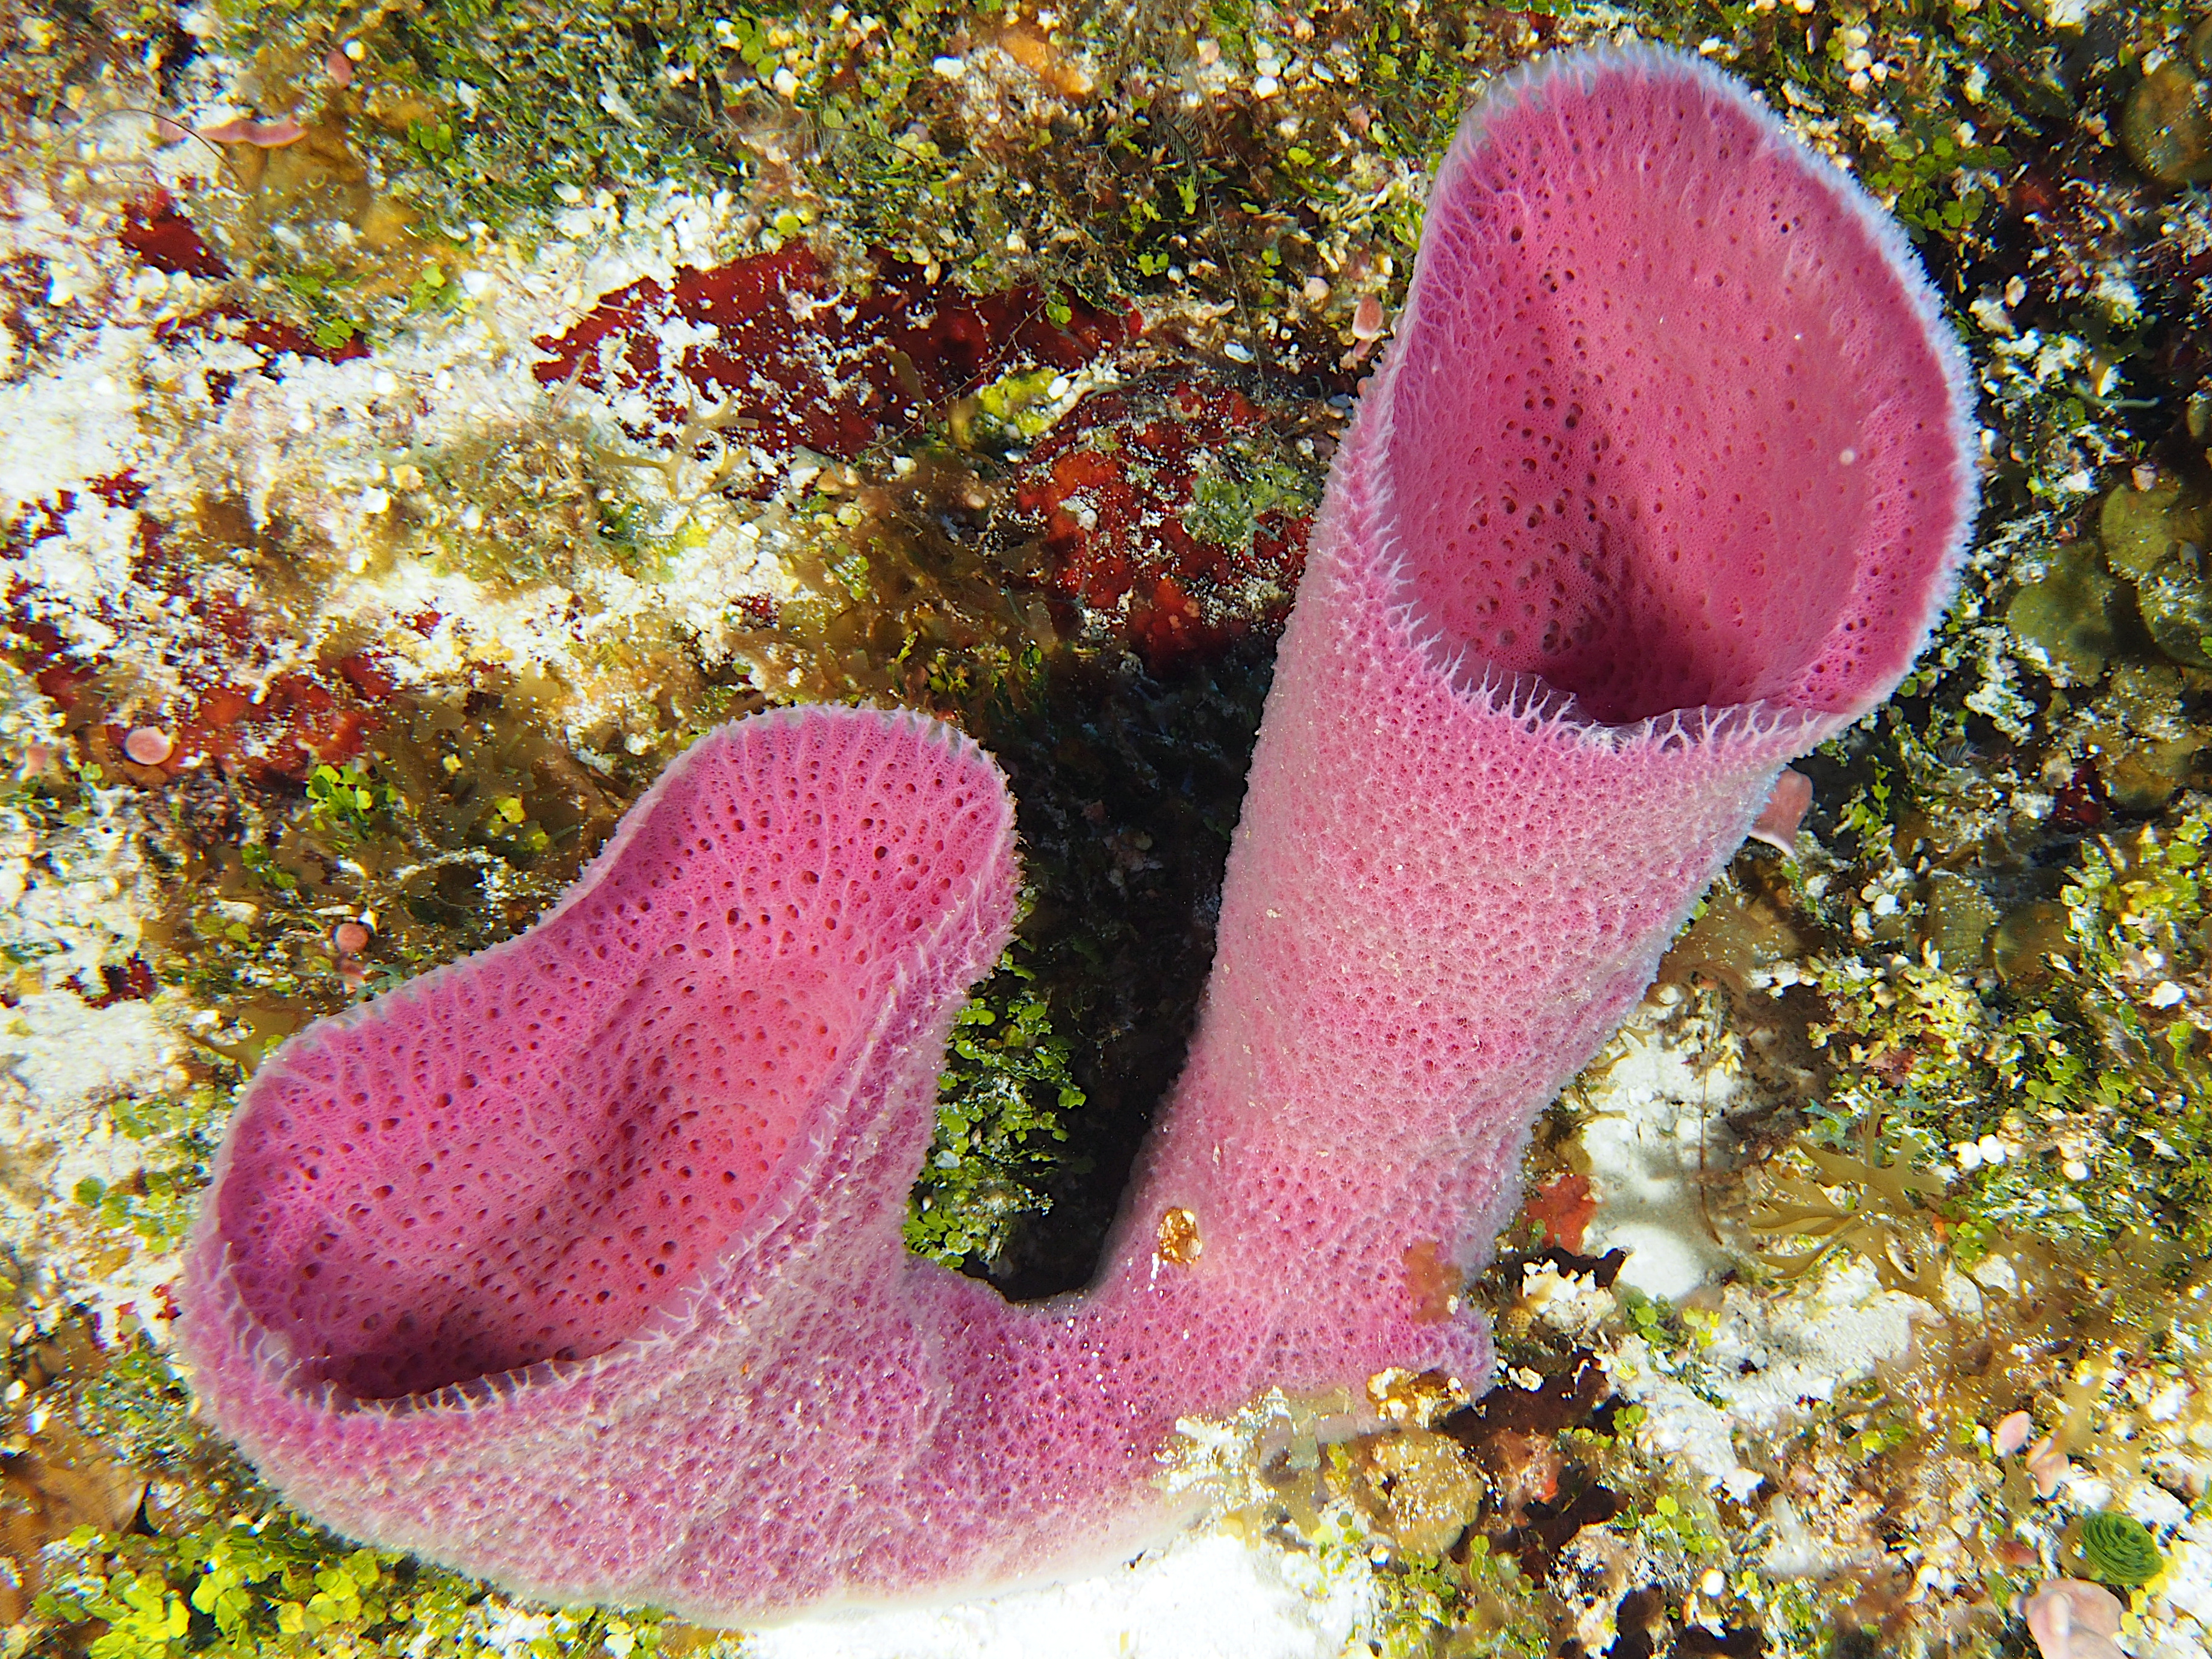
x=644 y=1166
x=1675 y=421
x=518 y=1159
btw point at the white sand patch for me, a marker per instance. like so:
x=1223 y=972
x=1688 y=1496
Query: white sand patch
x=74 y=575
x=1765 y=1360
x=1653 y=1135
x=1771 y=1355
x=74 y=899
x=2181 y=1600
x=63 y=1062
x=1680 y=1423
x=1205 y=1597
x=74 y=422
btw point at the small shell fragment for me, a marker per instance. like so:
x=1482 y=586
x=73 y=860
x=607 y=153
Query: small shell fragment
x=148 y=745
x=1178 y=1239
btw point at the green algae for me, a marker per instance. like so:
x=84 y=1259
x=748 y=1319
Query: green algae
x=351 y=800
x=546 y=502
x=267 y=1584
x=466 y=117
x=2136 y=974
x=2144 y=735
x=1127 y=788
x=473 y=113
x=2168 y=126
x=2119 y=1549
x=1932 y=125
x=2068 y=616
x=2141 y=528
x=462 y=822
x=2177 y=607
x=1000 y=1138
x=1957 y=919
x=2106 y=1068
x=1482 y=1607
x=2154 y=536
x=178 y=1132
x=1229 y=498
x=215 y=1565
x=894 y=602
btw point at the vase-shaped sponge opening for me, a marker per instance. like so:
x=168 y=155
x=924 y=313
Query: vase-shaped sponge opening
x=528 y=1156
x=1673 y=420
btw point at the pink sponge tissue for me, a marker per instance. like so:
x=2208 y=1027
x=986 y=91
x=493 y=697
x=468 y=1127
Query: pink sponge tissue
x=531 y=1261
x=1674 y=422
x=1665 y=480
x=578 y=1264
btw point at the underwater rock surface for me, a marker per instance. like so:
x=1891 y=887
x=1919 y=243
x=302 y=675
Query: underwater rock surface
x=1903 y=1153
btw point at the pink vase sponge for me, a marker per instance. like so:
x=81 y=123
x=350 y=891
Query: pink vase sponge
x=578 y=1264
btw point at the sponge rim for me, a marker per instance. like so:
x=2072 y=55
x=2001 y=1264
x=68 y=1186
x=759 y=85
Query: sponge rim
x=274 y=1355
x=1582 y=69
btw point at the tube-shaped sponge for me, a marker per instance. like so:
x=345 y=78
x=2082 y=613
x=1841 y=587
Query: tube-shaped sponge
x=1665 y=480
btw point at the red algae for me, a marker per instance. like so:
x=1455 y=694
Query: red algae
x=157 y=231
x=792 y=359
x=233 y=711
x=300 y=719
x=269 y=336
x=1118 y=488
x=1561 y=1208
x=130 y=979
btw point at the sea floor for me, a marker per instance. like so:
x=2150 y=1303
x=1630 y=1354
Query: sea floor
x=417 y=424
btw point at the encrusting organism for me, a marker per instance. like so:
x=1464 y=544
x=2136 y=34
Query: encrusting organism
x=578 y=1264
x=2072 y=1619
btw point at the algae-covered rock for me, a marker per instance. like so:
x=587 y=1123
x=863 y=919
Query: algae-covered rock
x=2141 y=528
x=1956 y=921
x=2166 y=127
x=2144 y=778
x=1422 y=1489
x=2026 y=940
x=2155 y=538
x=2067 y=615
x=2176 y=607
x=2146 y=742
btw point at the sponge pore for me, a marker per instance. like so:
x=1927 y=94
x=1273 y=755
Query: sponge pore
x=521 y=1159
x=1670 y=428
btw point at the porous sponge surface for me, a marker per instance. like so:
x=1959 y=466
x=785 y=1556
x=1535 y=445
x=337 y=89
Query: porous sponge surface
x=423 y=1295
x=1665 y=479
x=1675 y=420
x=517 y=1161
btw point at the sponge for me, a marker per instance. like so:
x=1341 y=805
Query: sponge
x=578 y=1264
